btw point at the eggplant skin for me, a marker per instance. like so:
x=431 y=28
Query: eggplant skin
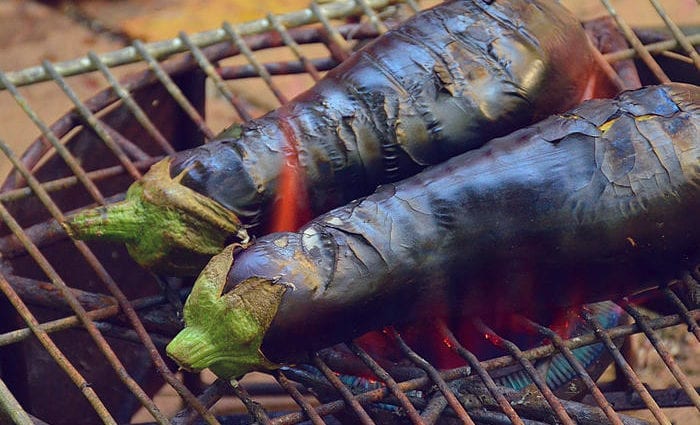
x=581 y=207
x=445 y=81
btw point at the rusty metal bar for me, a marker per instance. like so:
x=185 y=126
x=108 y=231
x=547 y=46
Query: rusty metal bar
x=678 y=34
x=218 y=82
x=42 y=293
x=483 y=374
x=254 y=408
x=693 y=287
x=174 y=90
x=52 y=349
x=637 y=44
x=434 y=409
x=94 y=123
x=10 y=407
x=666 y=398
x=100 y=313
x=69 y=159
x=382 y=374
x=294 y=47
x=338 y=45
x=625 y=368
x=242 y=46
x=129 y=101
x=657 y=47
x=528 y=402
x=208 y=398
x=513 y=349
x=277 y=68
x=70 y=181
x=345 y=393
x=221 y=388
x=18 y=335
x=292 y=390
x=40 y=234
x=129 y=147
x=598 y=396
x=683 y=311
x=126 y=334
x=609 y=71
x=661 y=349
x=372 y=15
x=677 y=56
x=435 y=377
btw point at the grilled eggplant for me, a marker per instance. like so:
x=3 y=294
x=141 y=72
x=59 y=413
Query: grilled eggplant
x=581 y=207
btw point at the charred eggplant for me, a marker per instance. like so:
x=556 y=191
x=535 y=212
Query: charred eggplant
x=581 y=207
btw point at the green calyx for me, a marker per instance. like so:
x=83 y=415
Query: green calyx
x=166 y=226
x=224 y=332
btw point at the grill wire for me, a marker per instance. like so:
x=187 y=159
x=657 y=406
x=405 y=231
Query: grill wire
x=58 y=291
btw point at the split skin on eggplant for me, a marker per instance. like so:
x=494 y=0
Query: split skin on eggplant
x=445 y=81
x=585 y=206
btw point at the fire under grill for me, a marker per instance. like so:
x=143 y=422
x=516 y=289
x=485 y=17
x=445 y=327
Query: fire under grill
x=82 y=328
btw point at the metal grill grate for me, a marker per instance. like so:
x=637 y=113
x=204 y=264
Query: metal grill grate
x=84 y=312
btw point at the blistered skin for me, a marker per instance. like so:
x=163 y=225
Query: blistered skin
x=583 y=206
x=442 y=83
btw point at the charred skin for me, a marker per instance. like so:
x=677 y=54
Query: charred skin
x=584 y=206
x=444 y=82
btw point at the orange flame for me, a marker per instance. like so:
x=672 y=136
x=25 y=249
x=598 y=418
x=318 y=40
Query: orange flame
x=291 y=208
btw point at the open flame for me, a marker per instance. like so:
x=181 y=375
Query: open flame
x=291 y=208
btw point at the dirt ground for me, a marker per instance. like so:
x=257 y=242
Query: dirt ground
x=31 y=32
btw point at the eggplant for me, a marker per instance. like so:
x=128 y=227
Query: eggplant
x=445 y=81
x=595 y=203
